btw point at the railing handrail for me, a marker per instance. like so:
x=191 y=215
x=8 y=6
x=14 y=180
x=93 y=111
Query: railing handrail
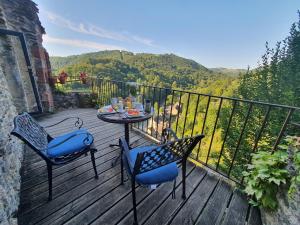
x=212 y=96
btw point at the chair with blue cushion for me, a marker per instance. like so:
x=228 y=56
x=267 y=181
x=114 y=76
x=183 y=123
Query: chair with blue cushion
x=55 y=151
x=153 y=165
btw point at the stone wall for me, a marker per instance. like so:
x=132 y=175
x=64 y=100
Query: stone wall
x=16 y=93
x=73 y=100
x=22 y=16
x=11 y=154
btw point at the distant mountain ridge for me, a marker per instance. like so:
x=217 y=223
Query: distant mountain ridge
x=228 y=71
x=156 y=69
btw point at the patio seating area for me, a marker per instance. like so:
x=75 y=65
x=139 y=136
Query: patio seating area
x=79 y=198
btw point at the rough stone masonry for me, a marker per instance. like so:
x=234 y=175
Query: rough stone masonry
x=16 y=93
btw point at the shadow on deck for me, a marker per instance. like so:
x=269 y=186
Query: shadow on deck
x=78 y=198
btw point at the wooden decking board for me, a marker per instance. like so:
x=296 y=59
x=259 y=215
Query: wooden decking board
x=78 y=198
x=75 y=210
x=237 y=211
x=195 y=202
x=171 y=207
x=216 y=206
x=35 y=200
x=61 y=201
x=254 y=216
x=106 y=204
x=141 y=194
x=155 y=199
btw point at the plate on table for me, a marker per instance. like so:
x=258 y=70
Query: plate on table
x=133 y=113
x=106 y=110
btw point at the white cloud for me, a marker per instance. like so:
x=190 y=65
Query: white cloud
x=94 y=30
x=80 y=43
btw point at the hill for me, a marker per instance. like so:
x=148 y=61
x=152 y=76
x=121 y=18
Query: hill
x=229 y=72
x=155 y=69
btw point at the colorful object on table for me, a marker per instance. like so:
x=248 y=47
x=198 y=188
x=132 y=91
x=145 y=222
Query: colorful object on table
x=134 y=113
x=106 y=109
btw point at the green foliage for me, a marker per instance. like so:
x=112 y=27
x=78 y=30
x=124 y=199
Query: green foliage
x=264 y=176
x=268 y=171
x=166 y=70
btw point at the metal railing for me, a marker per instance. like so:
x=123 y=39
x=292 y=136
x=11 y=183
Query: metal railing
x=233 y=128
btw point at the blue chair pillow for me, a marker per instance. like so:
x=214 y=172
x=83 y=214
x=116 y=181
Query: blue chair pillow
x=69 y=143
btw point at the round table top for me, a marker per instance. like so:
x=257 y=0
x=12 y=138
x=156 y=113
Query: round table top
x=119 y=118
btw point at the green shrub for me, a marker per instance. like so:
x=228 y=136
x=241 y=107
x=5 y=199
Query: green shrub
x=265 y=175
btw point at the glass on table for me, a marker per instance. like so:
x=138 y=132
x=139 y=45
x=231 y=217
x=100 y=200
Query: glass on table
x=114 y=103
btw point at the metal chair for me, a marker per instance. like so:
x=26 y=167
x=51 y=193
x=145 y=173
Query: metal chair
x=55 y=151
x=153 y=165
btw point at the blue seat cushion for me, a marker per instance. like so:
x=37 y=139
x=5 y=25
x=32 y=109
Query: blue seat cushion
x=156 y=176
x=69 y=143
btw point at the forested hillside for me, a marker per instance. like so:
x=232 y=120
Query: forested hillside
x=166 y=70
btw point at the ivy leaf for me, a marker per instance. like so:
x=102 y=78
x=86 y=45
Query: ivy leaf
x=254 y=203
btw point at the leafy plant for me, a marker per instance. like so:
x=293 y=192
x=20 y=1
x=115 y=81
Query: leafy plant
x=266 y=173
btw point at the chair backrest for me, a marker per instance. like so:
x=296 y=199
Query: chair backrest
x=165 y=154
x=27 y=129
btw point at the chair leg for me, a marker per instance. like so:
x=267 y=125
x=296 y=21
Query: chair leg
x=122 y=167
x=134 y=200
x=183 y=178
x=49 y=168
x=94 y=163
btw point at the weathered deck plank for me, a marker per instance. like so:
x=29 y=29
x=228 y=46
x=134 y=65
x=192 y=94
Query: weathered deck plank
x=78 y=198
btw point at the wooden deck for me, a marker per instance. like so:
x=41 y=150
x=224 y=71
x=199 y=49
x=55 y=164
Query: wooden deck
x=78 y=198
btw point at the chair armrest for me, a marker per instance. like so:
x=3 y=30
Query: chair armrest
x=78 y=122
x=166 y=133
x=72 y=136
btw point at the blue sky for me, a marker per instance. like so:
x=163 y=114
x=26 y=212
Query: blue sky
x=215 y=33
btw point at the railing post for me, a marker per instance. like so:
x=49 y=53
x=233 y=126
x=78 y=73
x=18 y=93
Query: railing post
x=203 y=125
x=287 y=119
x=213 y=134
x=240 y=138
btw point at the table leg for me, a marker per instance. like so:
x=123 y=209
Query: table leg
x=126 y=131
x=126 y=125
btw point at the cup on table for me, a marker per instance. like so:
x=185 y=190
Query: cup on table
x=139 y=106
x=114 y=101
x=120 y=107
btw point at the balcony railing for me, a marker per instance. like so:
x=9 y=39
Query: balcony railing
x=234 y=128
